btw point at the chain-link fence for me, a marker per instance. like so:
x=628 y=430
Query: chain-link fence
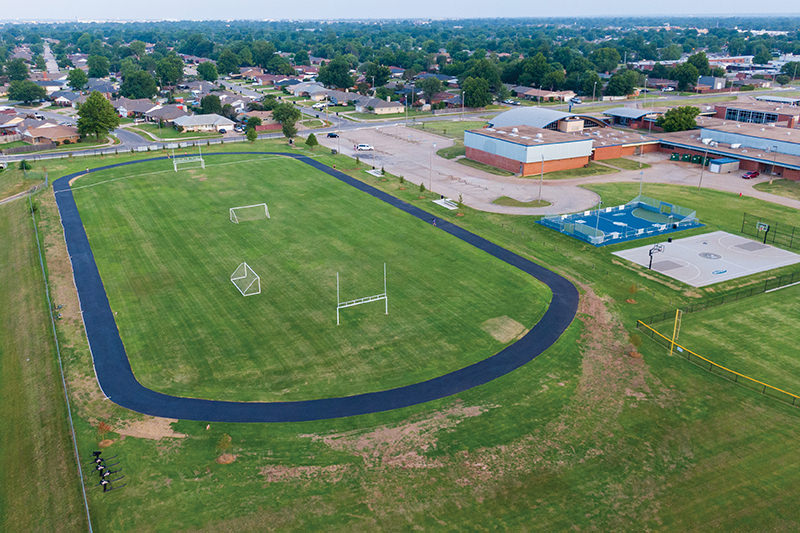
x=771 y=232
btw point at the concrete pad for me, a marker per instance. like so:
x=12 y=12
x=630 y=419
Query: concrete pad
x=711 y=258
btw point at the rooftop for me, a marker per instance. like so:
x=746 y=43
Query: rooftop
x=763 y=131
x=765 y=107
x=528 y=136
x=693 y=139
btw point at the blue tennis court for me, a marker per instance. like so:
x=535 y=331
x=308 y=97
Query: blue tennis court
x=640 y=218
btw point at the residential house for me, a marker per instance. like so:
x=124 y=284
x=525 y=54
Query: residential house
x=397 y=72
x=267 y=122
x=449 y=99
x=211 y=122
x=366 y=104
x=127 y=107
x=449 y=81
x=52 y=133
x=50 y=86
x=64 y=98
x=104 y=87
x=166 y=114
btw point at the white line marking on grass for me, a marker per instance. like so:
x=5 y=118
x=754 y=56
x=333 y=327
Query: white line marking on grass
x=171 y=171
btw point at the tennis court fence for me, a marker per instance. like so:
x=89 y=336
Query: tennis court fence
x=719 y=370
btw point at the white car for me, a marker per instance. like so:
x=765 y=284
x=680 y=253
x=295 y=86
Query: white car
x=364 y=148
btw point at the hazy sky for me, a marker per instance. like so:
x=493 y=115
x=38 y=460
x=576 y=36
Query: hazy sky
x=322 y=9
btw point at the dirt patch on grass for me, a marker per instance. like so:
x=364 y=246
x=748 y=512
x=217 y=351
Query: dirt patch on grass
x=402 y=446
x=504 y=329
x=153 y=428
x=59 y=268
x=280 y=473
x=105 y=443
x=226 y=459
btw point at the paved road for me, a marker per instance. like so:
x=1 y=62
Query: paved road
x=118 y=383
x=50 y=59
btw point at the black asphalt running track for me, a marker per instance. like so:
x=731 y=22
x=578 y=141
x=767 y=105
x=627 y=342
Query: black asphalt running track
x=119 y=384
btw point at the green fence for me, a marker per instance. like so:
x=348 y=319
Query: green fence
x=771 y=232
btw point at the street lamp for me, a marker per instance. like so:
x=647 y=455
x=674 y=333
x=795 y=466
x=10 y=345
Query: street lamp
x=702 y=168
x=774 y=161
x=430 y=169
x=593 y=89
x=541 y=179
x=597 y=223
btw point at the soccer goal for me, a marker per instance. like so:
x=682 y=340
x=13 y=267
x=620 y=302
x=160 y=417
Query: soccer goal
x=192 y=161
x=246 y=280
x=366 y=299
x=248 y=212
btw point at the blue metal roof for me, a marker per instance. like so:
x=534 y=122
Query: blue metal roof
x=626 y=112
x=535 y=117
x=724 y=160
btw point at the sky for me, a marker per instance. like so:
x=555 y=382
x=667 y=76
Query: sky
x=336 y=9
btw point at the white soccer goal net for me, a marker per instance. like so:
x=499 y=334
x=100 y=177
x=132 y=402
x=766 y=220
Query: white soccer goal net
x=249 y=212
x=246 y=280
x=193 y=161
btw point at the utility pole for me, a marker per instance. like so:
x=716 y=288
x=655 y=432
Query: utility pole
x=593 y=89
x=541 y=179
x=430 y=169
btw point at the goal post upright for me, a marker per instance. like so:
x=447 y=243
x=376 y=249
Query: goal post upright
x=366 y=299
x=235 y=219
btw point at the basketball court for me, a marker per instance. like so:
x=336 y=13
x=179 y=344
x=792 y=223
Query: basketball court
x=710 y=258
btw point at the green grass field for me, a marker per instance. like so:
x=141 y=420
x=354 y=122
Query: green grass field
x=787 y=188
x=451 y=152
x=169 y=133
x=40 y=489
x=739 y=336
x=584 y=437
x=211 y=342
x=450 y=128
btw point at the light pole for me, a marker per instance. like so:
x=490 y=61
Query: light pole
x=430 y=169
x=593 y=89
x=774 y=160
x=702 y=168
x=541 y=179
x=597 y=223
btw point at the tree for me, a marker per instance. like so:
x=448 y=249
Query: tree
x=210 y=104
x=590 y=83
x=476 y=92
x=207 y=71
x=138 y=84
x=686 y=75
x=554 y=80
x=285 y=114
x=311 y=141
x=336 y=73
x=301 y=58
x=762 y=55
x=40 y=62
x=227 y=62
x=96 y=116
x=606 y=59
x=429 y=87
x=251 y=134
x=782 y=79
x=671 y=52
x=678 y=119
x=791 y=68
x=137 y=48
x=252 y=122
x=17 y=70
x=700 y=62
x=77 y=79
x=26 y=91
x=98 y=66
x=288 y=130
x=379 y=73
x=170 y=70
x=621 y=84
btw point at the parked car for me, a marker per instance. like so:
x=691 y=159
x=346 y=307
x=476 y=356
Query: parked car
x=332 y=135
x=576 y=100
x=510 y=102
x=364 y=148
x=750 y=175
x=667 y=89
x=223 y=131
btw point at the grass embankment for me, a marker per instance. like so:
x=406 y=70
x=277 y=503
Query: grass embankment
x=582 y=437
x=287 y=336
x=787 y=188
x=484 y=167
x=626 y=164
x=40 y=489
x=451 y=152
x=593 y=169
x=13 y=144
x=512 y=202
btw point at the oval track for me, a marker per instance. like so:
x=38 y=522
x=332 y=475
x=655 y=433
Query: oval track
x=118 y=383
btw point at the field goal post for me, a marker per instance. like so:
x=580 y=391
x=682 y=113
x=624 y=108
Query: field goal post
x=257 y=208
x=188 y=160
x=358 y=301
x=246 y=280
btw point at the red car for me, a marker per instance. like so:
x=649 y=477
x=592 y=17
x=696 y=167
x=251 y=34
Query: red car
x=750 y=175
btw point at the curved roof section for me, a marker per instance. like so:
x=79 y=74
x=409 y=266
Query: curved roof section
x=535 y=117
